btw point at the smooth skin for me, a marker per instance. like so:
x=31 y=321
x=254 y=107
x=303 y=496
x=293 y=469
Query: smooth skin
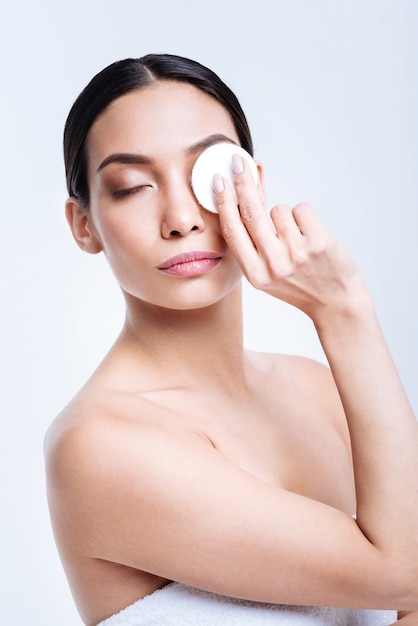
x=186 y=457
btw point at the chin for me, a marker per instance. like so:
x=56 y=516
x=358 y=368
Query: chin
x=188 y=299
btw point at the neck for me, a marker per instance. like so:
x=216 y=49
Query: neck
x=206 y=341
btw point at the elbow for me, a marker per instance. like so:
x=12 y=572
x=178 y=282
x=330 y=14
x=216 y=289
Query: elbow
x=402 y=584
x=408 y=600
x=392 y=581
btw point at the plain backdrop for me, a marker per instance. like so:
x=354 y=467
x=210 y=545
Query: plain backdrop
x=330 y=91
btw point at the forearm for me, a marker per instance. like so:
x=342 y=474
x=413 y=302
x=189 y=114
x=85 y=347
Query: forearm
x=383 y=428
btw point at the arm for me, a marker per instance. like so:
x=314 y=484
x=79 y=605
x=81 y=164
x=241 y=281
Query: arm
x=168 y=503
x=304 y=265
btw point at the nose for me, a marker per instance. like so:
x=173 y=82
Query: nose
x=181 y=214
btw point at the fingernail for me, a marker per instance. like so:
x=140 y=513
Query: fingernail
x=217 y=183
x=237 y=164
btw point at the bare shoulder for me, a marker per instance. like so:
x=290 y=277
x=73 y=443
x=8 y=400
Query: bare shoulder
x=95 y=431
x=83 y=422
x=308 y=375
x=311 y=380
x=315 y=379
x=108 y=464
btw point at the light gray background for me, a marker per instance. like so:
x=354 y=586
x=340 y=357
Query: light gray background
x=330 y=90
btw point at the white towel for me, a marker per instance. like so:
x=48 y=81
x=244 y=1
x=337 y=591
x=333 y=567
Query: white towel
x=179 y=605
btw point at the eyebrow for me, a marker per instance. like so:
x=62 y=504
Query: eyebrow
x=208 y=141
x=128 y=158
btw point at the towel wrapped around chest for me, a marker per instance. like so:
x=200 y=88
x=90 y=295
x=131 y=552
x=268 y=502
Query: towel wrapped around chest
x=179 y=605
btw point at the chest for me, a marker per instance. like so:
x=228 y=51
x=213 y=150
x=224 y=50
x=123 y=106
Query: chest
x=283 y=441
x=289 y=444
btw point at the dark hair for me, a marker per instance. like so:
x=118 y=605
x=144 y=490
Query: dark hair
x=127 y=75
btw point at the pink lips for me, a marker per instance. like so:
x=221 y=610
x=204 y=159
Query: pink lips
x=190 y=263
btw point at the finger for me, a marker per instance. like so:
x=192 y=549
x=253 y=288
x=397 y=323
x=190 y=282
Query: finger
x=232 y=228
x=285 y=224
x=307 y=221
x=251 y=206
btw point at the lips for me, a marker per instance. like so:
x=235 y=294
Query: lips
x=190 y=263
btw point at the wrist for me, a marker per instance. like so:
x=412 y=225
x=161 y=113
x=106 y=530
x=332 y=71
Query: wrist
x=354 y=308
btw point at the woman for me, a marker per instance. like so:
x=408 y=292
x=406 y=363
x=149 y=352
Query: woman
x=187 y=458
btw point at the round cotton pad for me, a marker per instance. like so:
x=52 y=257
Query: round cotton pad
x=216 y=160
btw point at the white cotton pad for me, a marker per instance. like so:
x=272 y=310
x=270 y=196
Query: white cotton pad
x=217 y=159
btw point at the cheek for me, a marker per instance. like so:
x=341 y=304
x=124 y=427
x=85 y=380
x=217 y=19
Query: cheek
x=129 y=255
x=122 y=232
x=129 y=258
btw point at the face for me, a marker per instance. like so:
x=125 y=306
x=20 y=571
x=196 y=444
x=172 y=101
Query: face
x=163 y=248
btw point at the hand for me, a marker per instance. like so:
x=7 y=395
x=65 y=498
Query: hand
x=297 y=260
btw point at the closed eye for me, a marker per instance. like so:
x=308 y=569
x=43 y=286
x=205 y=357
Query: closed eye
x=122 y=193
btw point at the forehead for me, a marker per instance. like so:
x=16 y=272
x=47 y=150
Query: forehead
x=160 y=119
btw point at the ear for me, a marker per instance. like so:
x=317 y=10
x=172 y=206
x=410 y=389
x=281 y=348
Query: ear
x=260 y=185
x=79 y=221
